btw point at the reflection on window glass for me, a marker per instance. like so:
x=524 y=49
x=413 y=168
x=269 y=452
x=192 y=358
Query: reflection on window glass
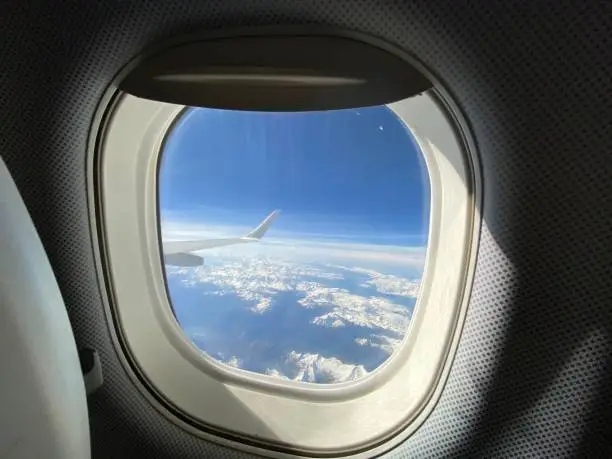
x=294 y=243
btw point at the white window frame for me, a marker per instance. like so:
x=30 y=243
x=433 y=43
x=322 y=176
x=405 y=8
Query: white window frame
x=366 y=415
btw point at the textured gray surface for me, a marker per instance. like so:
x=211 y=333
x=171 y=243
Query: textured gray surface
x=533 y=371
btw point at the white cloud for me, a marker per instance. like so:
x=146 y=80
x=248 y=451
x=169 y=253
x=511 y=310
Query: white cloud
x=258 y=280
x=396 y=286
x=307 y=367
x=275 y=373
x=386 y=343
x=234 y=362
x=328 y=320
x=297 y=248
x=348 y=308
x=387 y=283
x=263 y=305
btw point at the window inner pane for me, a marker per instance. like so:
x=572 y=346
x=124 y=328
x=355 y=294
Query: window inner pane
x=294 y=243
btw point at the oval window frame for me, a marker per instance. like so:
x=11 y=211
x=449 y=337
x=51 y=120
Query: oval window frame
x=216 y=411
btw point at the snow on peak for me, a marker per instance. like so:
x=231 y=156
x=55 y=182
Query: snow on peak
x=263 y=305
x=386 y=283
x=376 y=306
x=307 y=367
x=234 y=362
x=393 y=285
x=364 y=311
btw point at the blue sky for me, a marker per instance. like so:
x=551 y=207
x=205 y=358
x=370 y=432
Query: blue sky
x=347 y=175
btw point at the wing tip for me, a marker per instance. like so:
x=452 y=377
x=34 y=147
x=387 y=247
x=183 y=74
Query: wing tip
x=262 y=228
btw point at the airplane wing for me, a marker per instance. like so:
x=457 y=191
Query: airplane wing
x=178 y=252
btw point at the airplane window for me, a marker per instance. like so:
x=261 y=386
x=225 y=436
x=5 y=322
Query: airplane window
x=294 y=243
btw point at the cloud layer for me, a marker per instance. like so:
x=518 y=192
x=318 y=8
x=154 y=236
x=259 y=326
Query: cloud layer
x=301 y=247
x=315 y=322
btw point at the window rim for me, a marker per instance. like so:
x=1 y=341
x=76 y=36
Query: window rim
x=219 y=433
x=326 y=389
x=302 y=389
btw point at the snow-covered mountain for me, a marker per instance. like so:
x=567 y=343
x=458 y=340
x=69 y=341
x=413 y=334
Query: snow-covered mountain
x=310 y=322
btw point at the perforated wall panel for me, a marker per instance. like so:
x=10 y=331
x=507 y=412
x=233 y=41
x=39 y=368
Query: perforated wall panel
x=533 y=372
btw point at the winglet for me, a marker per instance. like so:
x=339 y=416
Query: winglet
x=258 y=232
